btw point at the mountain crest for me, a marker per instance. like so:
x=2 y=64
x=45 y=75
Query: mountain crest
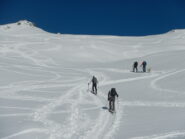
x=25 y=22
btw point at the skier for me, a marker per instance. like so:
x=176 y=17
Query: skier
x=135 y=66
x=94 y=84
x=111 y=98
x=143 y=64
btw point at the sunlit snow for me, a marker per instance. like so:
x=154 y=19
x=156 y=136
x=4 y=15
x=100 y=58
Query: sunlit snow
x=44 y=90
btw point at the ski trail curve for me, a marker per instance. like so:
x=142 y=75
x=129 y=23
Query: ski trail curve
x=169 y=135
x=54 y=129
x=37 y=130
x=154 y=85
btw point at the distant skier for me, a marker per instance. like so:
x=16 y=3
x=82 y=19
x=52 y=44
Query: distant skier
x=143 y=64
x=94 y=84
x=111 y=98
x=135 y=66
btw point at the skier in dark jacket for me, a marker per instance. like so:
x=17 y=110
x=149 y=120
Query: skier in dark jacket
x=135 y=66
x=111 y=98
x=143 y=64
x=94 y=84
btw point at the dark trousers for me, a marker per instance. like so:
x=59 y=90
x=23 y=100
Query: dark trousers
x=144 y=68
x=135 y=69
x=111 y=105
x=94 y=88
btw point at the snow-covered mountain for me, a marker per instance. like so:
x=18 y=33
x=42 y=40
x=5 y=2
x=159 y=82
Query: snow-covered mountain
x=44 y=90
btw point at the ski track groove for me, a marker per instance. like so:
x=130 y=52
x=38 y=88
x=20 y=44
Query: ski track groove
x=41 y=115
x=37 y=130
x=168 y=74
x=169 y=135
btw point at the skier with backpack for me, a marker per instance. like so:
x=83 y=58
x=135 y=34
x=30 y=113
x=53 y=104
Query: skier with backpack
x=94 y=84
x=111 y=98
x=135 y=66
x=143 y=64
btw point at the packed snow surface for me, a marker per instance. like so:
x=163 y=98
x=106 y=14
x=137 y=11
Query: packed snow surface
x=44 y=92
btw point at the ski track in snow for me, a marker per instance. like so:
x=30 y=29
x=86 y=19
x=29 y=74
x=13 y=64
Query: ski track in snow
x=166 y=75
x=169 y=135
x=35 y=130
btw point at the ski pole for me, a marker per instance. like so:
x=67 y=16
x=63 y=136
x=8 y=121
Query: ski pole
x=88 y=87
x=117 y=103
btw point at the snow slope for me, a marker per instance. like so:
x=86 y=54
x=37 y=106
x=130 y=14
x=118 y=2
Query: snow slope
x=44 y=92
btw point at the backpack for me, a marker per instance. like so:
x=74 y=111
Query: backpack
x=94 y=80
x=135 y=64
x=110 y=97
x=113 y=92
x=144 y=63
